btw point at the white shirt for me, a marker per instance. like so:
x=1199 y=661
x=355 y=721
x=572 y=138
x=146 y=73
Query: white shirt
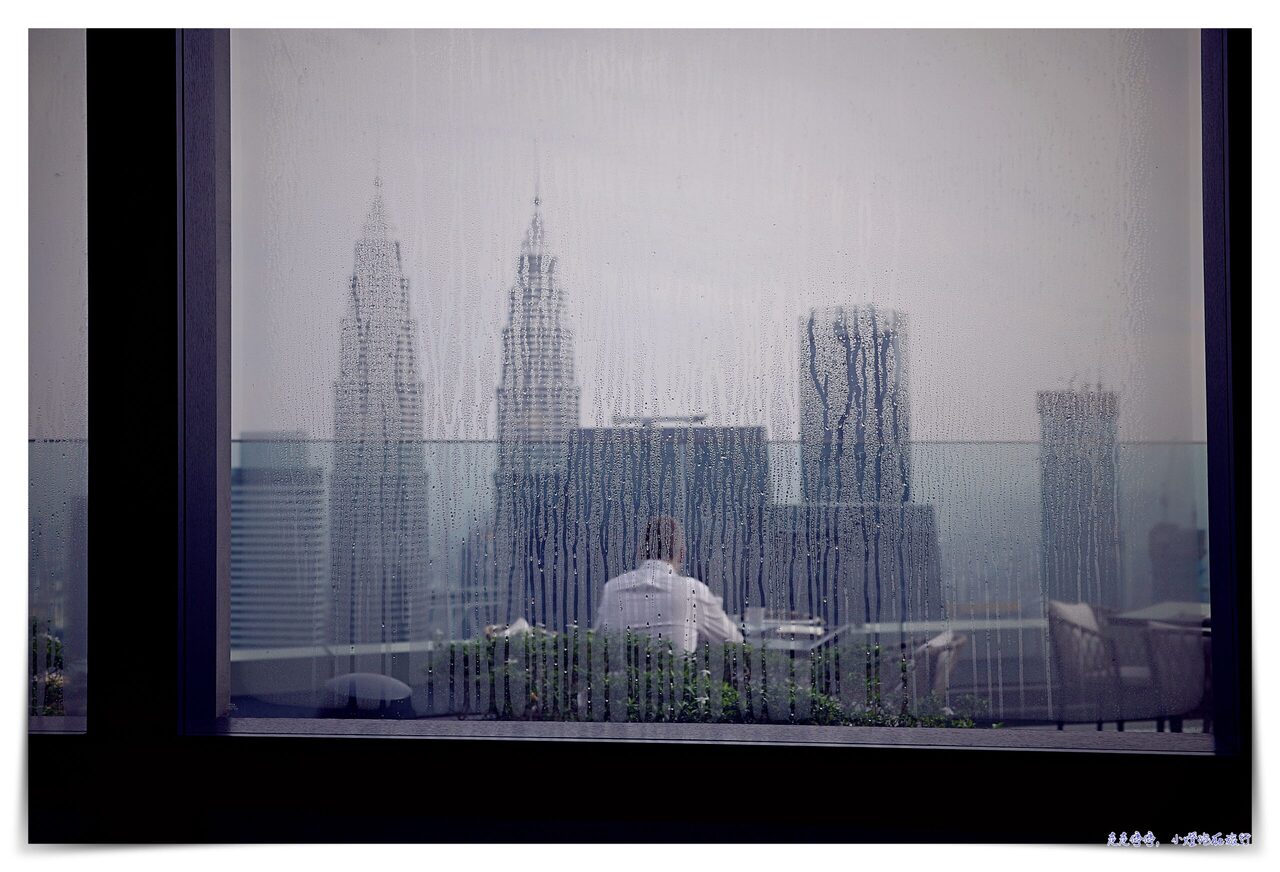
x=657 y=601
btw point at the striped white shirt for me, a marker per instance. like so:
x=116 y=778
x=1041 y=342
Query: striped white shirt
x=657 y=601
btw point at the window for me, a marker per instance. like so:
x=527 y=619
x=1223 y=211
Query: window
x=504 y=481
x=904 y=330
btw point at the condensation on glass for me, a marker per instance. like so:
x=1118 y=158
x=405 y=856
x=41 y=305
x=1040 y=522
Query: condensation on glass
x=57 y=422
x=903 y=329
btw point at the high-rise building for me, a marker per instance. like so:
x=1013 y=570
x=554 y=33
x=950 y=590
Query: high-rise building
x=378 y=488
x=537 y=411
x=854 y=414
x=1079 y=522
x=858 y=549
x=279 y=563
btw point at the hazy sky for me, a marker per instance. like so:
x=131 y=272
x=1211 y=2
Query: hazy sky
x=1030 y=201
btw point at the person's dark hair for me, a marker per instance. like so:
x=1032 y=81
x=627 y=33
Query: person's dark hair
x=663 y=539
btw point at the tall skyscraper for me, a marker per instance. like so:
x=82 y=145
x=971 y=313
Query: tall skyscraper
x=1079 y=522
x=279 y=564
x=854 y=414
x=537 y=411
x=858 y=550
x=378 y=490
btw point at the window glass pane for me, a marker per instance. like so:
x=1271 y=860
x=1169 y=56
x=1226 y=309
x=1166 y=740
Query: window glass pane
x=753 y=379
x=57 y=421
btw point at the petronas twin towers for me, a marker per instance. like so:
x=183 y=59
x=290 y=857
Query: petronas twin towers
x=378 y=491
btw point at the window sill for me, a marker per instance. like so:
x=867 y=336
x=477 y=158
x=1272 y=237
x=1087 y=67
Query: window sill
x=735 y=734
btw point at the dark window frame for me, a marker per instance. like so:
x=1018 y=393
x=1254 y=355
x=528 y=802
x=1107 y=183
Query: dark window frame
x=151 y=766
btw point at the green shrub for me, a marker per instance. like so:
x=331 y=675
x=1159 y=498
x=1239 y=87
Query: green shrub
x=582 y=675
x=46 y=666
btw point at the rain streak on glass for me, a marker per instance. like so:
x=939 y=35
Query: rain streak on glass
x=737 y=378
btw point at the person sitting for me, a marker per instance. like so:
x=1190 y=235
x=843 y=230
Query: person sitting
x=655 y=600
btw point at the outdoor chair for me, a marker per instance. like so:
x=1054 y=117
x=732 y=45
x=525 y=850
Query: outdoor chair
x=940 y=656
x=928 y=670
x=1177 y=655
x=1121 y=671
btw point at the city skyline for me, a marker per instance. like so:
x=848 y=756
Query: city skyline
x=414 y=350
x=548 y=475
x=867 y=552
x=538 y=367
